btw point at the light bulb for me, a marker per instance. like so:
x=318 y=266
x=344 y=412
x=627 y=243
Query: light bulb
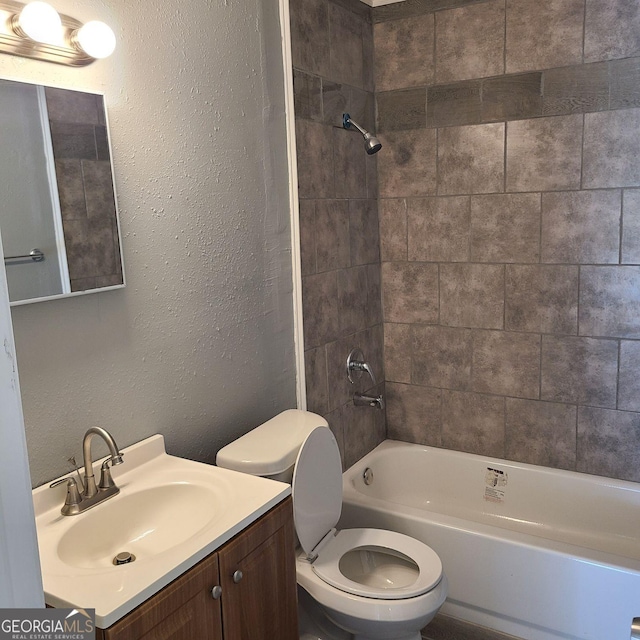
x=96 y=39
x=41 y=22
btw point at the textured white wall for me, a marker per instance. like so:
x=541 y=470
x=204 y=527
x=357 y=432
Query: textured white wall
x=199 y=345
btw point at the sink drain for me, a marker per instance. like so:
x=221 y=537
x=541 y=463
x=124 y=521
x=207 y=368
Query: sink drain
x=124 y=558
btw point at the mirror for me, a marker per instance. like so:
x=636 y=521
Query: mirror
x=58 y=214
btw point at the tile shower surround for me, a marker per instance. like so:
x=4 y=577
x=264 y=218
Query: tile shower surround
x=508 y=204
x=509 y=211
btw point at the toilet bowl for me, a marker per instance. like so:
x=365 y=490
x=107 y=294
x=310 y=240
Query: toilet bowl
x=372 y=583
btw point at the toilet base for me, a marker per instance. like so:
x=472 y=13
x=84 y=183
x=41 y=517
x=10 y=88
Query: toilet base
x=316 y=623
x=313 y=623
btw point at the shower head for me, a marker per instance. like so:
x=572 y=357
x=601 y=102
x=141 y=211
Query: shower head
x=371 y=143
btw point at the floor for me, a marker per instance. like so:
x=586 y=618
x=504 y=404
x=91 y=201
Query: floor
x=447 y=628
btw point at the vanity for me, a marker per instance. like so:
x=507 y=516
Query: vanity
x=244 y=591
x=213 y=552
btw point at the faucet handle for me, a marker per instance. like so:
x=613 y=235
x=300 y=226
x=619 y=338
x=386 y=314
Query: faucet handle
x=106 y=481
x=73 y=498
x=59 y=482
x=356 y=362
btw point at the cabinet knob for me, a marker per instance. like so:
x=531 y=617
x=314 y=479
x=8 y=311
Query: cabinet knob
x=237 y=576
x=216 y=592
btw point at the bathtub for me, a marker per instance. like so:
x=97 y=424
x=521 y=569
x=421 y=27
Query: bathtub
x=534 y=552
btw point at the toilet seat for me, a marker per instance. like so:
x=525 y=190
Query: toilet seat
x=418 y=569
x=316 y=488
x=367 y=608
x=317 y=503
x=364 y=607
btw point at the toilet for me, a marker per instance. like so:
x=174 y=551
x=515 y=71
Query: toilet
x=371 y=583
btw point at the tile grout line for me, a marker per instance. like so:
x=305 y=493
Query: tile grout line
x=618 y=375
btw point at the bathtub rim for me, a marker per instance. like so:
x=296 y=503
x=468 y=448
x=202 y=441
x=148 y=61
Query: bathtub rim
x=389 y=443
x=351 y=495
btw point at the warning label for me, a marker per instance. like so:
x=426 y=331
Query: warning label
x=495 y=483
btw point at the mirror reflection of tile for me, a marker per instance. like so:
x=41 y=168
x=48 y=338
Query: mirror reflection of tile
x=85 y=186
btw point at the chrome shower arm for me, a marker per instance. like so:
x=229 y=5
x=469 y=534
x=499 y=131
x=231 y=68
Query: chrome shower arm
x=347 y=123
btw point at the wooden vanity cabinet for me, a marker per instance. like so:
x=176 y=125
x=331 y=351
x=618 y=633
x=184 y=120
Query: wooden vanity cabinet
x=183 y=609
x=256 y=571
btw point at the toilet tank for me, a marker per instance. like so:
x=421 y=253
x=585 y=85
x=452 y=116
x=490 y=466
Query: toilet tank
x=271 y=449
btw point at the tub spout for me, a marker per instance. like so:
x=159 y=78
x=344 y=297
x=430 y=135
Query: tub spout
x=362 y=400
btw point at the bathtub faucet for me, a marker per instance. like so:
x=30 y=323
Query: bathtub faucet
x=362 y=400
x=356 y=364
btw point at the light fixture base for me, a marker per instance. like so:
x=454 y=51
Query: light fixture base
x=14 y=44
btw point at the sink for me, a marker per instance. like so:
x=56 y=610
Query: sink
x=170 y=514
x=143 y=523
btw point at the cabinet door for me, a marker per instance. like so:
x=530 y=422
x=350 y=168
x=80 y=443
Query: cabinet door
x=183 y=610
x=262 y=603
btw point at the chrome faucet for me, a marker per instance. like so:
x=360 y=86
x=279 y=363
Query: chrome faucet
x=361 y=400
x=356 y=364
x=77 y=500
x=106 y=481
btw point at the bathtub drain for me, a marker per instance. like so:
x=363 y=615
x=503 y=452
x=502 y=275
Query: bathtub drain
x=367 y=476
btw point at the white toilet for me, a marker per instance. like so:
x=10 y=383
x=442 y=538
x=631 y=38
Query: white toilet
x=372 y=583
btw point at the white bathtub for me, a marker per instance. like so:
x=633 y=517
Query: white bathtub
x=535 y=552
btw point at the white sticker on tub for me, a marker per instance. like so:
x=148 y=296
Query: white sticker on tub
x=495 y=481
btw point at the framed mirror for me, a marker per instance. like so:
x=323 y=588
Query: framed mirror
x=58 y=212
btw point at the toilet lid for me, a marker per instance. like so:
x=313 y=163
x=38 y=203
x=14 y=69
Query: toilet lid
x=317 y=488
x=375 y=563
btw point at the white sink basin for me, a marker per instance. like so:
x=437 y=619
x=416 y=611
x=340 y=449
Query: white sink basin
x=144 y=523
x=170 y=513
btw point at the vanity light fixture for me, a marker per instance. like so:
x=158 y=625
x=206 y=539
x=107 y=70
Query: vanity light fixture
x=37 y=30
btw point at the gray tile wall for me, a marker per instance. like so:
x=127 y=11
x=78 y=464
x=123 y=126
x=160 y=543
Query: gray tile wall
x=509 y=213
x=332 y=44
